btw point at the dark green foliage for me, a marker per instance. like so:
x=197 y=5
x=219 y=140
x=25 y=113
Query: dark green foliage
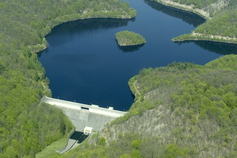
x=192 y=84
x=132 y=146
x=227 y=62
x=173 y=150
x=208 y=4
x=204 y=92
x=129 y=38
x=221 y=24
x=26 y=126
x=197 y=3
x=182 y=66
x=201 y=107
x=101 y=141
x=196 y=97
x=32 y=130
x=197 y=93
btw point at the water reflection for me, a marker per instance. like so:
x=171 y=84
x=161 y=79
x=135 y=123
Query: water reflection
x=186 y=16
x=217 y=47
x=83 y=27
x=85 y=64
x=195 y=20
x=128 y=49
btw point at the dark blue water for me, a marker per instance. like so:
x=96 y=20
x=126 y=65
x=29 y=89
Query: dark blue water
x=84 y=63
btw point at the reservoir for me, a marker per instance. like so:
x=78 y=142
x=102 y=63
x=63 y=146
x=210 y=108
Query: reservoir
x=84 y=63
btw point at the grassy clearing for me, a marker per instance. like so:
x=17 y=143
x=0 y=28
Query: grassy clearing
x=50 y=151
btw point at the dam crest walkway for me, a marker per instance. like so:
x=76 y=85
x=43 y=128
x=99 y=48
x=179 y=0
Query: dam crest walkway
x=83 y=115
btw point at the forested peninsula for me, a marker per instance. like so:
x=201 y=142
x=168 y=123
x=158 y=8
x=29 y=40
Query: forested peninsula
x=220 y=15
x=26 y=125
x=182 y=110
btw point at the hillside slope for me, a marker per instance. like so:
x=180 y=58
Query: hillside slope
x=221 y=24
x=197 y=107
x=182 y=110
x=26 y=126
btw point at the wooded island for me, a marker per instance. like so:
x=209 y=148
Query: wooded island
x=182 y=110
x=26 y=125
x=129 y=38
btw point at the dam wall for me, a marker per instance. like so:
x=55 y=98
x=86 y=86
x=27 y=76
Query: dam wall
x=83 y=115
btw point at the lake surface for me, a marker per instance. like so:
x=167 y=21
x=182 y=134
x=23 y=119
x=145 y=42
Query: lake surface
x=84 y=63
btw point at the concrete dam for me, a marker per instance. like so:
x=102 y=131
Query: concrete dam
x=83 y=115
x=85 y=118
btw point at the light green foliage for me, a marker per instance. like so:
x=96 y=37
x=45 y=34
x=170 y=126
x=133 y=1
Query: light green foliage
x=120 y=148
x=224 y=25
x=123 y=148
x=198 y=88
x=101 y=141
x=26 y=126
x=197 y=3
x=202 y=103
x=202 y=106
x=129 y=38
x=223 y=21
x=173 y=150
x=135 y=144
x=227 y=62
x=205 y=92
x=211 y=6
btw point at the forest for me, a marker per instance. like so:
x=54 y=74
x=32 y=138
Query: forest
x=26 y=125
x=221 y=23
x=129 y=38
x=182 y=110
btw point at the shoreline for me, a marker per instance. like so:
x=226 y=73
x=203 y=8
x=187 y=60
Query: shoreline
x=195 y=36
x=202 y=37
x=189 y=8
x=39 y=47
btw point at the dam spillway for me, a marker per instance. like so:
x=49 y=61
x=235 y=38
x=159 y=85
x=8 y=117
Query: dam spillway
x=83 y=115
